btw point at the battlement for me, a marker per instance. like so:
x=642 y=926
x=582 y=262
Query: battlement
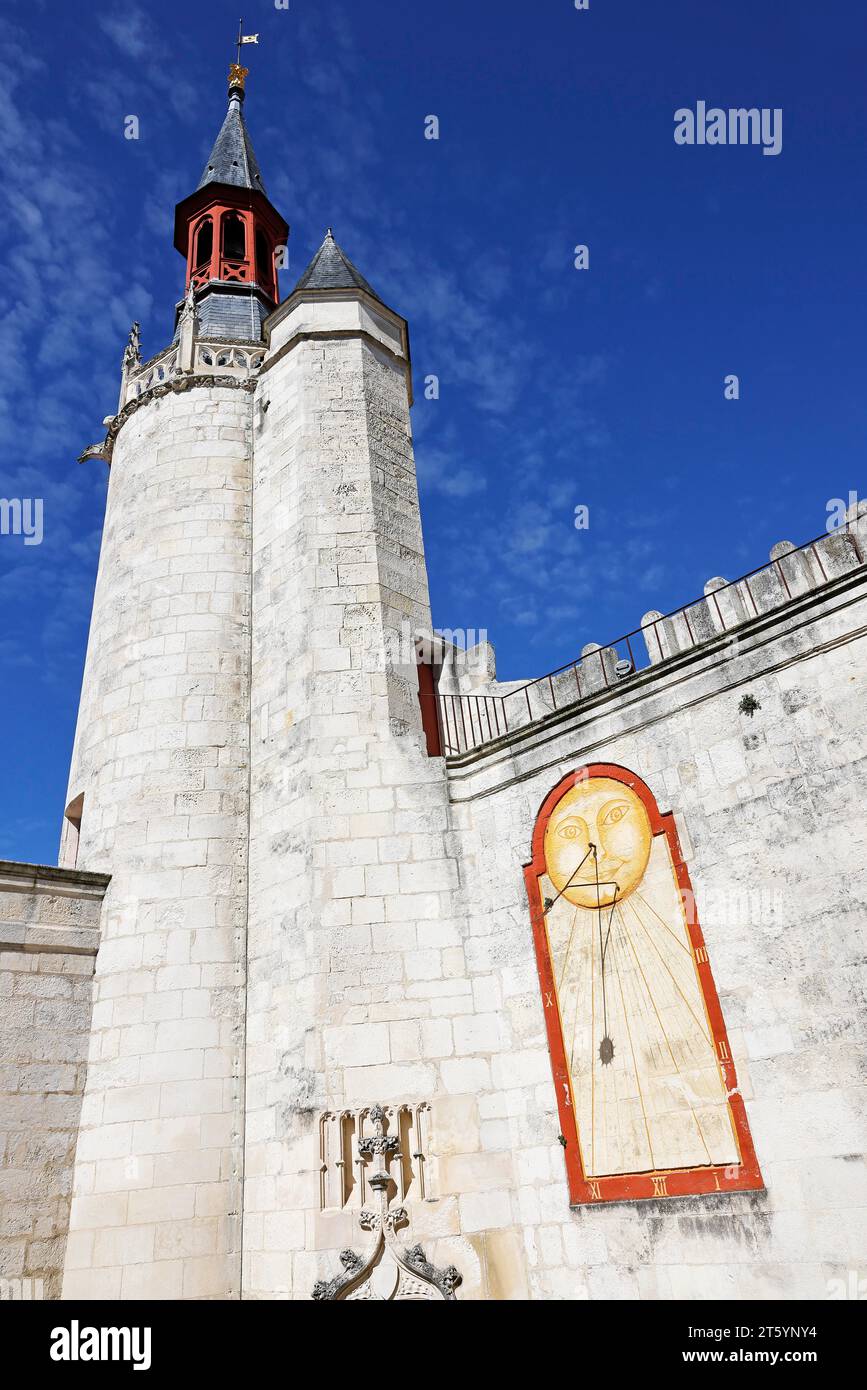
x=475 y=710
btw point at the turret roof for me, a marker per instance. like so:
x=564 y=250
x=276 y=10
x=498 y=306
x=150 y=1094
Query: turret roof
x=331 y=269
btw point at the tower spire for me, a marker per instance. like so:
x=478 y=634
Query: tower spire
x=228 y=231
x=232 y=159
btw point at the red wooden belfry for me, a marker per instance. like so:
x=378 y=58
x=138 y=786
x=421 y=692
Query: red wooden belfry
x=227 y=230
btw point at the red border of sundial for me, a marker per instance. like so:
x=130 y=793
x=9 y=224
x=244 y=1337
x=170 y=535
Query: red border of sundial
x=668 y=1182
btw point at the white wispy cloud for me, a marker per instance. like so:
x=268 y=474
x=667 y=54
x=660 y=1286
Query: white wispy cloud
x=68 y=305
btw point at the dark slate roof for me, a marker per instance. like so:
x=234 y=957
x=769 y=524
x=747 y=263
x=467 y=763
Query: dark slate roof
x=330 y=269
x=232 y=159
x=231 y=316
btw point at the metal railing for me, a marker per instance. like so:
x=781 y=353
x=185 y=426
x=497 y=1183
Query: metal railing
x=470 y=721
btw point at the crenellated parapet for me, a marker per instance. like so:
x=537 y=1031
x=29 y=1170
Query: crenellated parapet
x=475 y=712
x=792 y=572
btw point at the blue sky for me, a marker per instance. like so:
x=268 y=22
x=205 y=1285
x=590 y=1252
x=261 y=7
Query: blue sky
x=558 y=387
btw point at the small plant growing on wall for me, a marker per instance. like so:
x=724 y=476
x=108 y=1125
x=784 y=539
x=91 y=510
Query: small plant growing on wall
x=748 y=705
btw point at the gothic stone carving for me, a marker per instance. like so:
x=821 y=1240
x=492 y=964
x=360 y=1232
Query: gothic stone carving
x=389 y=1272
x=346 y=1150
x=132 y=351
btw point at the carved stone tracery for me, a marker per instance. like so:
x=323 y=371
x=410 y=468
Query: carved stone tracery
x=389 y=1272
x=347 y=1146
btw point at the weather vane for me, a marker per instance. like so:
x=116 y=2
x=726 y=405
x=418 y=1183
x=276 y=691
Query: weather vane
x=237 y=73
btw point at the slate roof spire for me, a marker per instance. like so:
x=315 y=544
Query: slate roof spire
x=232 y=160
x=230 y=235
x=331 y=269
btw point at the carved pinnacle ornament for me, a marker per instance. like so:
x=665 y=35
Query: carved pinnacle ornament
x=132 y=351
x=189 y=310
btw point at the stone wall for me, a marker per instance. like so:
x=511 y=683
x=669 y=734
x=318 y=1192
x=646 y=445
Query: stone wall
x=770 y=811
x=49 y=932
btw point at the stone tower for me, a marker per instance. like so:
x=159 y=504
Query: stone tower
x=249 y=705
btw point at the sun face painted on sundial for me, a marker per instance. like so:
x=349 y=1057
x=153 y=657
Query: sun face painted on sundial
x=609 y=817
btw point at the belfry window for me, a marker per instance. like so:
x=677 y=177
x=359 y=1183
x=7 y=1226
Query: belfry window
x=204 y=243
x=234 y=237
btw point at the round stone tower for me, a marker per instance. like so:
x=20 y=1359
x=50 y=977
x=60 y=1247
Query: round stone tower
x=158 y=790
